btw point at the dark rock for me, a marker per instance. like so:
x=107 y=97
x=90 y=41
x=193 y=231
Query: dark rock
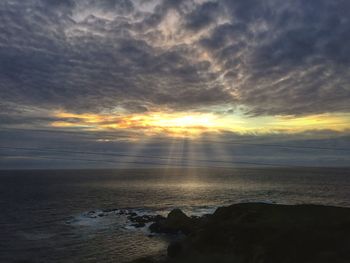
x=123 y=212
x=177 y=221
x=109 y=210
x=155 y=227
x=174 y=249
x=138 y=225
x=177 y=215
x=264 y=233
x=142 y=219
x=158 y=218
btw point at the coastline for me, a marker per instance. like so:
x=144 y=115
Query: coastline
x=258 y=233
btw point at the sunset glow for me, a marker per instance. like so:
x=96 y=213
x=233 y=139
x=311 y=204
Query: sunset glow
x=189 y=124
x=161 y=77
x=171 y=124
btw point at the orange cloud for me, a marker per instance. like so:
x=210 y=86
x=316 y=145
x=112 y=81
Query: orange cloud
x=172 y=124
x=194 y=124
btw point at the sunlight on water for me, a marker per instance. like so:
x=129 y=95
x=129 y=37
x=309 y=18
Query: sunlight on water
x=75 y=215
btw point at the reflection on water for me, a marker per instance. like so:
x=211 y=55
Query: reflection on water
x=71 y=216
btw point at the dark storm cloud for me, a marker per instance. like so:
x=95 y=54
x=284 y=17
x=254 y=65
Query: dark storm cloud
x=50 y=59
x=293 y=55
x=203 y=16
x=274 y=56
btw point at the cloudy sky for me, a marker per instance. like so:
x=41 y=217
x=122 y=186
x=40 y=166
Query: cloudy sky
x=231 y=81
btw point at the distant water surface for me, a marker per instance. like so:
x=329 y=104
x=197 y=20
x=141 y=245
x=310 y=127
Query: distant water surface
x=70 y=216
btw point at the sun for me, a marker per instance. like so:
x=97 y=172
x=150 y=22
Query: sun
x=181 y=124
x=196 y=120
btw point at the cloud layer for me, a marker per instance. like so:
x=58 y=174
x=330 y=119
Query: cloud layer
x=274 y=57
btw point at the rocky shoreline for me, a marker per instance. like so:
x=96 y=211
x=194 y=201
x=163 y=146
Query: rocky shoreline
x=255 y=233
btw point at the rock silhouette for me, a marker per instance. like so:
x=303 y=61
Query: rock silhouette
x=261 y=233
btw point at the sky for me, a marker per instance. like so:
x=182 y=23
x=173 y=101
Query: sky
x=128 y=83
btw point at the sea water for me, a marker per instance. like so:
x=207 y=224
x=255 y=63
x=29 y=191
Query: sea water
x=75 y=215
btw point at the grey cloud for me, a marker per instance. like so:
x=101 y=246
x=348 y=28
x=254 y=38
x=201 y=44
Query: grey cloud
x=293 y=55
x=96 y=63
x=280 y=57
x=59 y=3
x=203 y=16
x=223 y=35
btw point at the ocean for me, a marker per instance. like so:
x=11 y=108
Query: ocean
x=74 y=215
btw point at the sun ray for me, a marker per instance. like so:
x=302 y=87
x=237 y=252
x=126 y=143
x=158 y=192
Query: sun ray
x=133 y=150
